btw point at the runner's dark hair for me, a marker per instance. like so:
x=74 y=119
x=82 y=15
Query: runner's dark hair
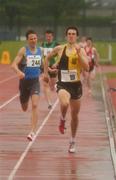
x=73 y=28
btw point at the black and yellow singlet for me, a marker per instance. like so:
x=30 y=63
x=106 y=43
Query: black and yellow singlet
x=69 y=67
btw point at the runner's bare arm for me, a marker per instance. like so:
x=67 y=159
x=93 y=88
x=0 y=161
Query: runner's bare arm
x=42 y=61
x=16 y=61
x=53 y=53
x=83 y=58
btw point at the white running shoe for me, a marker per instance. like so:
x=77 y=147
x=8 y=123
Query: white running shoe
x=72 y=147
x=31 y=136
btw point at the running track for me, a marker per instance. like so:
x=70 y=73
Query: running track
x=47 y=158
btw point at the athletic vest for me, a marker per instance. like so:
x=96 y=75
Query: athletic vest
x=47 y=49
x=69 y=67
x=90 y=54
x=31 y=63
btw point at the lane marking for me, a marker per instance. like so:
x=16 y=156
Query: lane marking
x=108 y=123
x=12 y=77
x=10 y=100
x=23 y=155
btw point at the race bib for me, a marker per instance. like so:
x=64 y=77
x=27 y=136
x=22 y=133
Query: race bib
x=47 y=51
x=69 y=75
x=33 y=61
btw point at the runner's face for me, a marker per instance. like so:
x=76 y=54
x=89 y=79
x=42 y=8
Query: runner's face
x=71 y=36
x=32 y=40
x=89 y=42
x=49 y=37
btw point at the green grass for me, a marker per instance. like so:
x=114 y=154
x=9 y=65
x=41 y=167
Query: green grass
x=102 y=47
x=12 y=47
x=111 y=75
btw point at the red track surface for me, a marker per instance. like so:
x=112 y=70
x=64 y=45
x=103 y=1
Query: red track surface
x=48 y=158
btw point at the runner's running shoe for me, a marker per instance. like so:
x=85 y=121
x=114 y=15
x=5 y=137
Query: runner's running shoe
x=31 y=136
x=72 y=147
x=62 y=127
x=49 y=106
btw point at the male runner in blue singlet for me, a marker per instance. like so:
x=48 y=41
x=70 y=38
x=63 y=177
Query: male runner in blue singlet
x=27 y=65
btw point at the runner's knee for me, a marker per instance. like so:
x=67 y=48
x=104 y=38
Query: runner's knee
x=34 y=105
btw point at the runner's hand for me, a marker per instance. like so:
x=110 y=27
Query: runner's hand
x=20 y=74
x=52 y=70
x=77 y=47
x=45 y=78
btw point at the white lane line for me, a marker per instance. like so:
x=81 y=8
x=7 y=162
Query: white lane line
x=10 y=100
x=12 y=77
x=23 y=155
x=107 y=117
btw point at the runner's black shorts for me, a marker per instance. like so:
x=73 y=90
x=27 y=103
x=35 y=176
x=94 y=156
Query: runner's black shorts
x=52 y=74
x=74 y=88
x=27 y=88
